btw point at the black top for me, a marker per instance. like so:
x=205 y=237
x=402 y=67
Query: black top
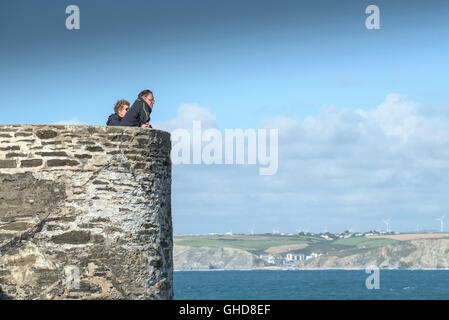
x=114 y=120
x=138 y=114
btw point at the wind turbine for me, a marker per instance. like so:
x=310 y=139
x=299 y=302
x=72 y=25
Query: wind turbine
x=441 y=222
x=387 y=223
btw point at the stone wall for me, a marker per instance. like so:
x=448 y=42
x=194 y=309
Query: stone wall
x=85 y=213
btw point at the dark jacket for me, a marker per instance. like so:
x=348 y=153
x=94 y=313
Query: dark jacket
x=138 y=114
x=114 y=120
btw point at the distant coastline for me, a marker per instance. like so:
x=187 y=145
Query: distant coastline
x=310 y=269
x=274 y=252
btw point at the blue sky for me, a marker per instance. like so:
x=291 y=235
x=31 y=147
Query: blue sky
x=247 y=64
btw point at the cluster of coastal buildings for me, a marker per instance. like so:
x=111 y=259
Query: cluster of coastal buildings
x=326 y=235
x=346 y=234
x=290 y=259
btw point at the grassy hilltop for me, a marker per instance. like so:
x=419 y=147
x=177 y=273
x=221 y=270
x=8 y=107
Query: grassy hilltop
x=281 y=244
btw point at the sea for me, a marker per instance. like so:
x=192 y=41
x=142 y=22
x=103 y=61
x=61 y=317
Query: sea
x=380 y=284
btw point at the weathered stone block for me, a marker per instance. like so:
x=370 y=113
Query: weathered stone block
x=135 y=158
x=10 y=148
x=31 y=163
x=72 y=237
x=8 y=164
x=83 y=156
x=99 y=182
x=61 y=163
x=16 y=226
x=14 y=155
x=107 y=189
x=121 y=138
x=139 y=165
x=94 y=149
x=52 y=154
x=46 y=134
x=46 y=143
x=23 y=134
x=97 y=238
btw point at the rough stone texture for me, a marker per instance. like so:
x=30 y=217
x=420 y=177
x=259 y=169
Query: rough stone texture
x=88 y=201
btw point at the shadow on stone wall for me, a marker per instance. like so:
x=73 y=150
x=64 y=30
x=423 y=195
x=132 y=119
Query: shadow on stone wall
x=3 y=296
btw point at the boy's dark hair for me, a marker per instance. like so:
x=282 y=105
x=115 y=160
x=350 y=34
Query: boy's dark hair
x=119 y=105
x=144 y=93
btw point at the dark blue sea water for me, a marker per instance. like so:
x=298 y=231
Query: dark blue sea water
x=311 y=285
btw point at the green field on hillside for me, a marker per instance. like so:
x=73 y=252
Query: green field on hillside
x=363 y=242
x=249 y=243
x=258 y=243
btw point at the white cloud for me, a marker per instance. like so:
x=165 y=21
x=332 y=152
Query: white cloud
x=72 y=122
x=337 y=168
x=187 y=113
x=397 y=116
